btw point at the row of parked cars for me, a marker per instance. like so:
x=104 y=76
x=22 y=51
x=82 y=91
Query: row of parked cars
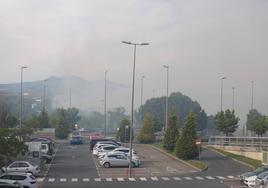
x=110 y=153
x=22 y=174
x=257 y=178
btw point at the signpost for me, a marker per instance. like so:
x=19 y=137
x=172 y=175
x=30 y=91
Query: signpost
x=198 y=143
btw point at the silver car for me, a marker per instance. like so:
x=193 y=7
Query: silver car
x=261 y=180
x=117 y=160
x=22 y=166
x=24 y=179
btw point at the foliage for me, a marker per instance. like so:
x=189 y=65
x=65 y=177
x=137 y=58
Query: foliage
x=256 y=122
x=11 y=146
x=185 y=145
x=172 y=132
x=180 y=104
x=115 y=117
x=64 y=120
x=7 y=120
x=43 y=120
x=123 y=134
x=146 y=135
x=226 y=122
x=92 y=122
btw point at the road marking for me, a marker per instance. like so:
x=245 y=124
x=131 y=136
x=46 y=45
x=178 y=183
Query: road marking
x=40 y=179
x=221 y=177
x=85 y=179
x=143 y=179
x=63 y=180
x=210 y=177
x=188 y=178
x=120 y=179
x=199 y=178
x=177 y=178
x=154 y=178
x=231 y=177
x=97 y=179
x=109 y=179
x=74 y=180
x=193 y=171
x=165 y=178
x=131 y=179
x=51 y=179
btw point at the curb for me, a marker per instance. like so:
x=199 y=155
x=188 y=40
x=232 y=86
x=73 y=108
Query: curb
x=241 y=162
x=182 y=161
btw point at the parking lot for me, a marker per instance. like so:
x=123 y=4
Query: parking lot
x=153 y=163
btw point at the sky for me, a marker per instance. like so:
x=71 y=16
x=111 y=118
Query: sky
x=200 y=40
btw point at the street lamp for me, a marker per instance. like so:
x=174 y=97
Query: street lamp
x=21 y=92
x=252 y=92
x=105 y=98
x=142 y=89
x=132 y=103
x=44 y=95
x=233 y=98
x=166 y=123
x=126 y=127
x=223 y=78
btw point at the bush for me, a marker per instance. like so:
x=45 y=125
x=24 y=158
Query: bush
x=146 y=134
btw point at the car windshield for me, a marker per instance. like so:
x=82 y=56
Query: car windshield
x=134 y=93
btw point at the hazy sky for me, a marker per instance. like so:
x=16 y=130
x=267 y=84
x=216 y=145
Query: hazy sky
x=201 y=41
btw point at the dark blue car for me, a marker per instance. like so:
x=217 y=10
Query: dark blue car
x=76 y=140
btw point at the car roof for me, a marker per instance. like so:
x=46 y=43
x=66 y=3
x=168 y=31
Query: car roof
x=20 y=162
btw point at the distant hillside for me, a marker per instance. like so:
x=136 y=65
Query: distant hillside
x=85 y=94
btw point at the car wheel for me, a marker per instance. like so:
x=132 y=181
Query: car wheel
x=106 y=165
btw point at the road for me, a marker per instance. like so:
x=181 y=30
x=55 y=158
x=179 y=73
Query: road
x=73 y=166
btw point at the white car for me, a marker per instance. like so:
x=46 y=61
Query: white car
x=106 y=149
x=120 y=150
x=250 y=181
x=97 y=147
x=22 y=166
x=261 y=180
x=9 y=183
x=110 y=160
x=24 y=179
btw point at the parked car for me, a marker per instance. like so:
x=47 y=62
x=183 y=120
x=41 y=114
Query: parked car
x=105 y=149
x=5 y=183
x=111 y=160
x=22 y=166
x=249 y=178
x=24 y=179
x=97 y=148
x=76 y=140
x=261 y=180
x=120 y=149
x=94 y=141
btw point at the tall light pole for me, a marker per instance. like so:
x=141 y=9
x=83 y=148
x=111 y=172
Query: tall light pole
x=21 y=92
x=142 y=89
x=105 y=100
x=252 y=94
x=233 y=98
x=70 y=97
x=44 y=95
x=223 y=78
x=166 y=123
x=132 y=101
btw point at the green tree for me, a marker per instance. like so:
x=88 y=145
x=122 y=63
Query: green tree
x=146 y=135
x=185 y=146
x=43 y=120
x=123 y=133
x=226 y=122
x=11 y=146
x=171 y=134
x=256 y=122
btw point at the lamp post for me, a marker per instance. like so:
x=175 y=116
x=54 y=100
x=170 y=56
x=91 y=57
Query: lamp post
x=252 y=93
x=21 y=93
x=132 y=100
x=223 y=78
x=70 y=97
x=44 y=95
x=142 y=89
x=105 y=100
x=166 y=123
x=126 y=127
x=233 y=98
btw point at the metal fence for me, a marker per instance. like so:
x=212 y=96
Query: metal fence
x=254 y=142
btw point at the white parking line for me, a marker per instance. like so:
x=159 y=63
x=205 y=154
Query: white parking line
x=74 y=180
x=188 y=178
x=131 y=179
x=143 y=179
x=120 y=179
x=177 y=178
x=85 y=179
x=40 y=179
x=63 y=180
x=221 y=177
x=97 y=179
x=109 y=179
x=51 y=179
x=210 y=177
x=165 y=178
x=154 y=178
x=199 y=178
x=231 y=177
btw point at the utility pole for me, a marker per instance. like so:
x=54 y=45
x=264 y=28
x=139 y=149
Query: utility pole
x=223 y=78
x=252 y=94
x=233 y=98
x=44 y=95
x=166 y=123
x=70 y=97
x=21 y=93
x=105 y=103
